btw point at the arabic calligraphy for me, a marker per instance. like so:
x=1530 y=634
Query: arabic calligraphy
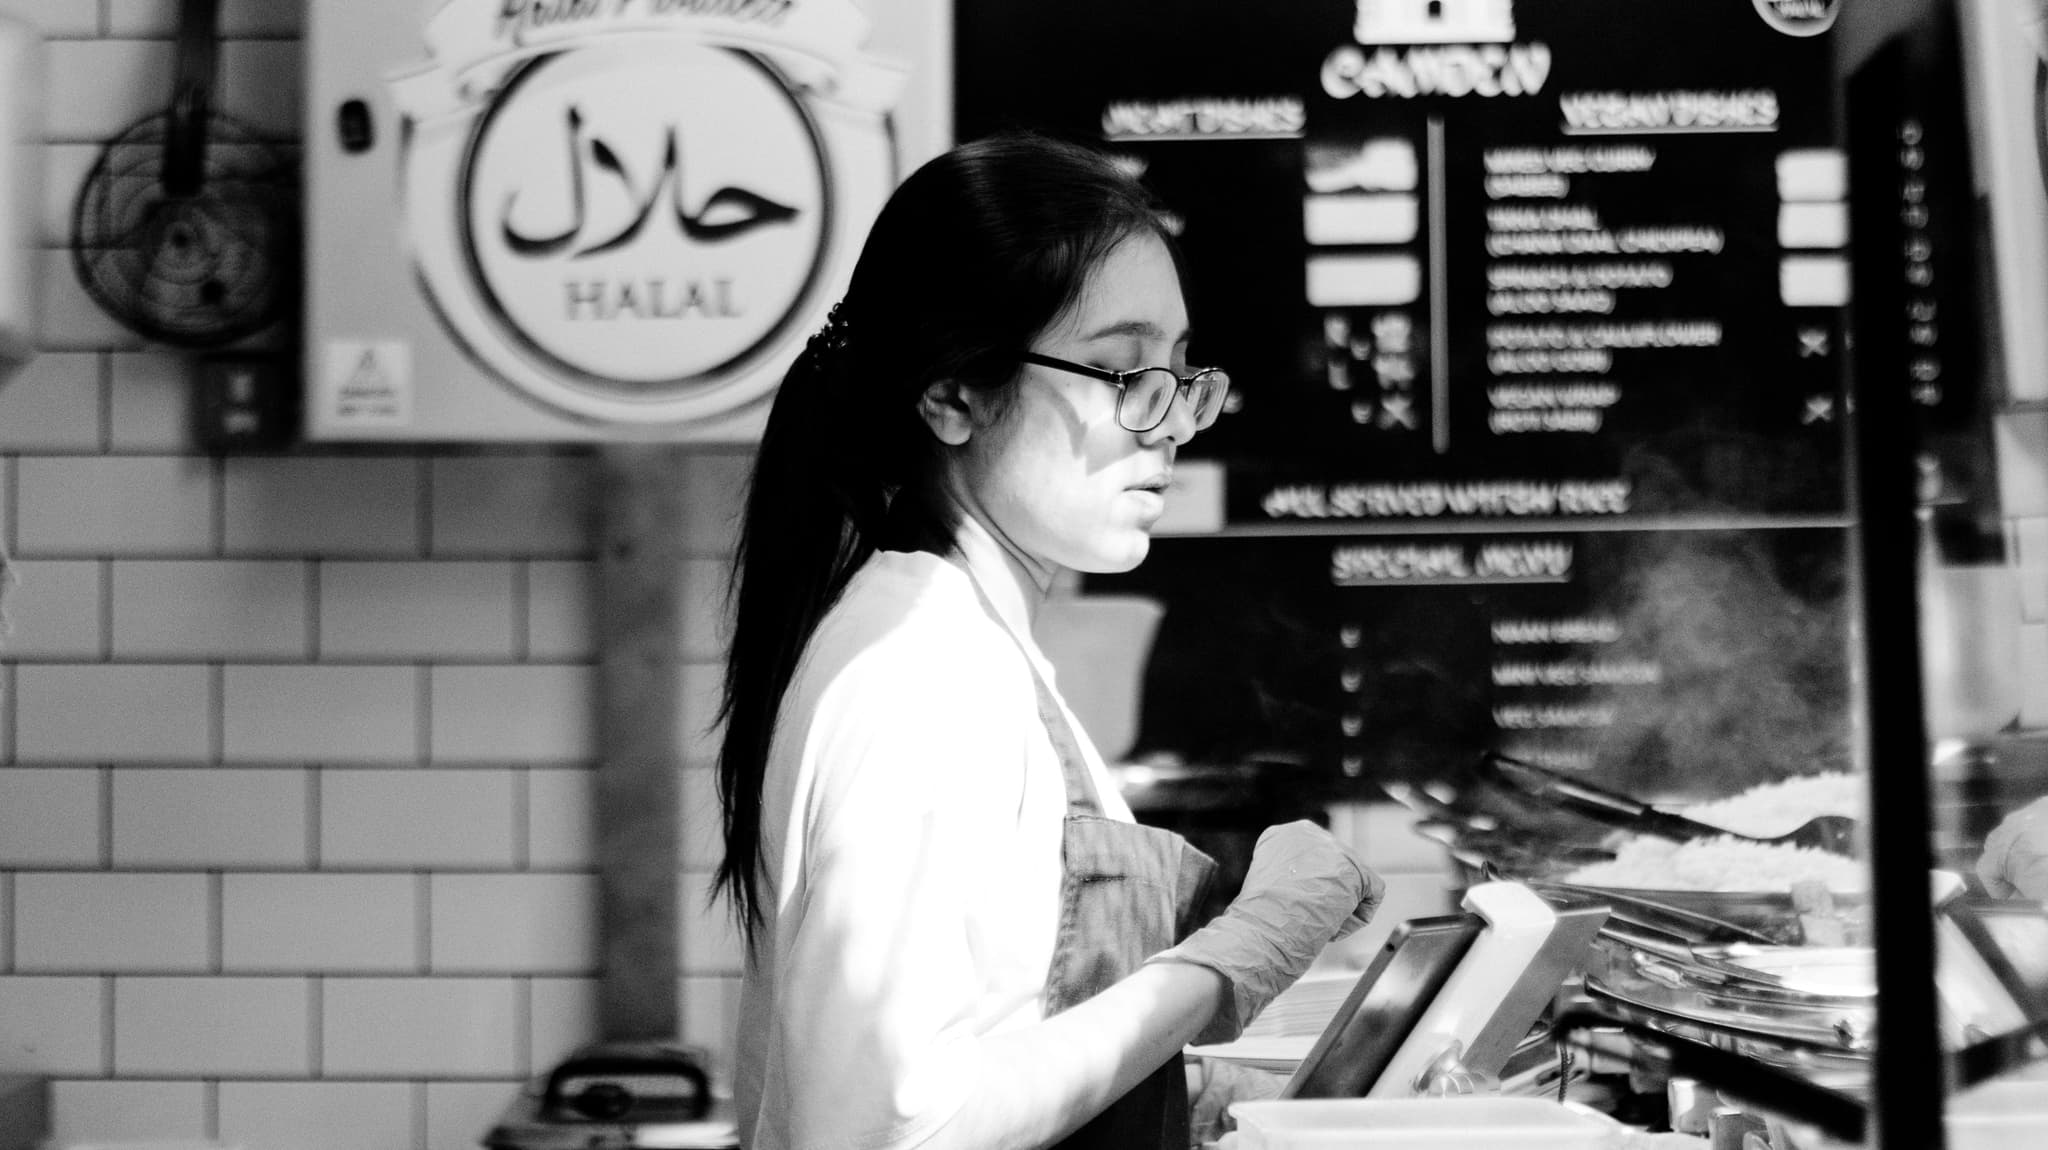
x=725 y=214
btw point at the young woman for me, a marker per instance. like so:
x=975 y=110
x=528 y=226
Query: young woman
x=957 y=936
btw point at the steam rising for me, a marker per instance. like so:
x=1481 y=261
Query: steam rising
x=1752 y=643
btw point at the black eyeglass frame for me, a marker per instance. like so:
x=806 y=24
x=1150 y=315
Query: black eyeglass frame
x=1121 y=380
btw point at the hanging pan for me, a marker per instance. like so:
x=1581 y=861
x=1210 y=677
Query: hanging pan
x=186 y=228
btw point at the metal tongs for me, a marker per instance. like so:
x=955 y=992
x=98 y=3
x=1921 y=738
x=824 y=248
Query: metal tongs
x=1836 y=833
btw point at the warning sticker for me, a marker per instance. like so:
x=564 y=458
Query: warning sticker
x=367 y=383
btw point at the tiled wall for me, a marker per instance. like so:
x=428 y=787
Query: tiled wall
x=295 y=757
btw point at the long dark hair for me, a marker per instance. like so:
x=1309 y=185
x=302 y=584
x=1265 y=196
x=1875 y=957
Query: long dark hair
x=970 y=260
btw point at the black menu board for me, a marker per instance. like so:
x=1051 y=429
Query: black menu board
x=1662 y=661
x=1536 y=313
x=1484 y=259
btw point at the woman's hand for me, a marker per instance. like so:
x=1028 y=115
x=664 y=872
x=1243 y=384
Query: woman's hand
x=2015 y=859
x=1214 y=1084
x=1303 y=889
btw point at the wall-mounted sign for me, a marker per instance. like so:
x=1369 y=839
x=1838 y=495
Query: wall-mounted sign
x=622 y=218
x=1536 y=313
x=1657 y=661
x=1479 y=259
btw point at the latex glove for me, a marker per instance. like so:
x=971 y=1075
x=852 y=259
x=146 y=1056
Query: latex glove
x=1303 y=889
x=2015 y=859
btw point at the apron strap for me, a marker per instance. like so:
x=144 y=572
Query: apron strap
x=1082 y=798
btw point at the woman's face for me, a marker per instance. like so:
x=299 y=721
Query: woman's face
x=1053 y=477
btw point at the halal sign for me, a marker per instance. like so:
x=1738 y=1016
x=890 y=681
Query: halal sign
x=631 y=211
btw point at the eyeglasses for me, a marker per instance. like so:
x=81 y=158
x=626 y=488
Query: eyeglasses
x=1145 y=395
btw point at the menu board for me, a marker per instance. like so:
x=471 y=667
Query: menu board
x=1664 y=662
x=1507 y=260
x=1535 y=311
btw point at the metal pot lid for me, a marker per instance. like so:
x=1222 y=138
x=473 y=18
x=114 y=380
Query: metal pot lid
x=1833 y=972
x=619 y=1096
x=1838 y=1038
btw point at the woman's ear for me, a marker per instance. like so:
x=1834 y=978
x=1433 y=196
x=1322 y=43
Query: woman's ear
x=946 y=409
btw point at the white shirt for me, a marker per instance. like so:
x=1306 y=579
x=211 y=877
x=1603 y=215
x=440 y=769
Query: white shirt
x=911 y=823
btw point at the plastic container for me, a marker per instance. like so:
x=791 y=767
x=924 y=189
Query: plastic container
x=1422 y=1124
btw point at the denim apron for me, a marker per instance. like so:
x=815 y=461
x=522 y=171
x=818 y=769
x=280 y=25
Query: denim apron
x=1126 y=893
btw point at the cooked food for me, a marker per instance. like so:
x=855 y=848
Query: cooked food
x=1720 y=864
x=1776 y=808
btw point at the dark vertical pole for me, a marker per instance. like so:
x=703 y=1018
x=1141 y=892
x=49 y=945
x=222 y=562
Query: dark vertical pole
x=638 y=497
x=1888 y=151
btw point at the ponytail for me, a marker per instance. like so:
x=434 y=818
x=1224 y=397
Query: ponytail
x=800 y=541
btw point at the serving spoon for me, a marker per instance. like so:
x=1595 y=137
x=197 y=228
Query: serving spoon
x=1833 y=833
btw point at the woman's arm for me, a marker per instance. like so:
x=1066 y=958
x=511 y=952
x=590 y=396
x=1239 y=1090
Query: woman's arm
x=1302 y=889
x=1035 y=1085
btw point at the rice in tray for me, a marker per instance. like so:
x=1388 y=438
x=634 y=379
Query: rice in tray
x=1720 y=864
x=1776 y=808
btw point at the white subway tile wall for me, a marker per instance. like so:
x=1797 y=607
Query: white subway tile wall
x=538 y=713
x=353 y=507
x=717 y=482
x=700 y=845
x=557 y=610
x=560 y=817
x=151 y=409
x=211 y=608
x=296 y=843
x=53 y=405
x=64 y=170
x=97 y=921
x=211 y=817
x=335 y=714
x=711 y=1010
x=457 y=1112
x=510 y=923
x=154 y=505
x=320 y=1115
x=329 y=923
x=397 y=1027
x=414 y=610
x=51 y=818
x=218 y=1026
x=527 y=505
x=562 y=1012
x=55 y=17
x=132 y=1109
x=698 y=690
x=382 y=819
x=72 y=712
x=702 y=610
x=97 y=88
x=70 y=320
x=57 y=609
x=55 y=1025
